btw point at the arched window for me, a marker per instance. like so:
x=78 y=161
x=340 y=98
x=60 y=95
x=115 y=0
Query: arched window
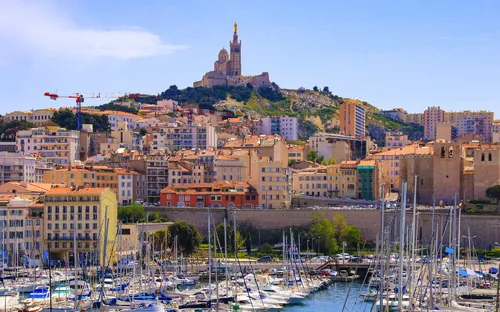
x=489 y=156
x=482 y=157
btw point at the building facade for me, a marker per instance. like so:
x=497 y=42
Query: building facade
x=352 y=120
x=432 y=117
x=175 y=137
x=15 y=167
x=334 y=177
x=310 y=182
x=396 y=140
x=283 y=125
x=215 y=194
x=271 y=180
x=80 y=214
x=53 y=144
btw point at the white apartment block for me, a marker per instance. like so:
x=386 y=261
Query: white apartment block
x=53 y=144
x=283 y=125
x=16 y=167
x=115 y=117
x=175 y=137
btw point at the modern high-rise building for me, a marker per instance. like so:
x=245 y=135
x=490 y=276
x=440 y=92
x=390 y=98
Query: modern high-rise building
x=52 y=144
x=432 y=117
x=352 y=120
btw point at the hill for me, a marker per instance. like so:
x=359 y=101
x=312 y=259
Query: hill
x=316 y=110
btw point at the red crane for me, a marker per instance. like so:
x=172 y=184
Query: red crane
x=79 y=98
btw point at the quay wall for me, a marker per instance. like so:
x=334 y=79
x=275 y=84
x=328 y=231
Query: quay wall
x=486 y=228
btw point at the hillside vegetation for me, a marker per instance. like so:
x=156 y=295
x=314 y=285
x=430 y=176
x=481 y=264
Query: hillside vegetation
x=317 y=110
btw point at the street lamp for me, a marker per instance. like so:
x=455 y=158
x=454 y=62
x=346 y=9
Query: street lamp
x=312 y=243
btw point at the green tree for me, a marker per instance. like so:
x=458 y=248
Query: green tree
x=493 y=192
x=266 y=249
x=312 y=156
x=353 y=235
x=315 y=88
x=248 y=243
x=65 y=118
x=131 y=213
x=340 y=227
x=320 y=159
x=322 y=230
x=188 y=236
x=8 y=130
x=230 y=235
x=326 y=90
x=143 y=131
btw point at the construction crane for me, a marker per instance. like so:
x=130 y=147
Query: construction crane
x=79 y=98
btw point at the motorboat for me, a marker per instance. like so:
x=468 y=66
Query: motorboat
x=9 y=299
x=41 y=294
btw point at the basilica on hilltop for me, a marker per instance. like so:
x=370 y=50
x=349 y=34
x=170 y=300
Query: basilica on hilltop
x=227 y=69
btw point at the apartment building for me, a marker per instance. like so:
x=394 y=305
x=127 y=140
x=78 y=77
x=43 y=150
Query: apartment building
x=416 y=118
x=122 y=137
x=271 y=180
x=53 y=144
x=338 y=147
x=271 y=146
x=310 y=182
x=116 y=117
x=222 y=194
x=495 y=131
x=183 y=172
x=368 y=180
x=21 y=222
x=283 y=125
x=80 y=214
x=156 y=174
x=37 y=116
x=395 y=140
x=176 y=136
x=432 y=117
x=352 y=119
x=296 y=153
x=334 y=178
x=471 y=122
x=15 y=167
x=348 y=170
x=233 y=167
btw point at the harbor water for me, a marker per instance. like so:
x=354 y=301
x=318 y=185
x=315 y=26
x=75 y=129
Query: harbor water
x=333 y=300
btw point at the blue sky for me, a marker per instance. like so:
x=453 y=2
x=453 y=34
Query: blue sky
x=409 y=54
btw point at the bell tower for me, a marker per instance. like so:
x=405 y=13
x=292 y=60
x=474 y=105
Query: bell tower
x=235 y=55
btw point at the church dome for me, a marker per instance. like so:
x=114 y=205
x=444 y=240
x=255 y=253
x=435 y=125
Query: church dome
x=223 y=55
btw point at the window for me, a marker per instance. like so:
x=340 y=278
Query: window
x=277 y=169
x=263 y=169
x=489 y=157
x=482 y=157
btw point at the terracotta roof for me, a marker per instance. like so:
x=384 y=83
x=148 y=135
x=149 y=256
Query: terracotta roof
x=85 y=190
x=234 y=119
x=297 y=148
x=125 y=171
x=367 y=163
x=406 y=150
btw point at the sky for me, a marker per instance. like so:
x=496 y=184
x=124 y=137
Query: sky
x=408 y=54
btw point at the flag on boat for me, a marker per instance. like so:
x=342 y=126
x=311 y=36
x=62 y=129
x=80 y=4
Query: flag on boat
x=449 y=250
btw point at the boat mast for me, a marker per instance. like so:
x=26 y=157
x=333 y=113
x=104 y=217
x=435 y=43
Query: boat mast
x=209 y=261
x=401 y=247
x=382 y=239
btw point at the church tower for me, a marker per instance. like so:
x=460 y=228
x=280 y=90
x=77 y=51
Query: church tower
x=234 y=68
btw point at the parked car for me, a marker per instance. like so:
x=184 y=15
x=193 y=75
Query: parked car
x=264 y=259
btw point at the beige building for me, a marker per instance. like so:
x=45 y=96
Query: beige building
x=80 y=213
x=176 y=136
x=396 y=140
x=446 y=131
x=417 y=118
x=310 y=182
x=234 y=167
x=52 y=144
x=334 y=178
x=486 y=169
x=270 y=179
x=122 y=137
x=38 y=116
x=271 y=146
x=21 y=222
x=348 y=171
x=296 y=153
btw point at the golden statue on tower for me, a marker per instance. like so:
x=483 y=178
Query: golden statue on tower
x=235 y=27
